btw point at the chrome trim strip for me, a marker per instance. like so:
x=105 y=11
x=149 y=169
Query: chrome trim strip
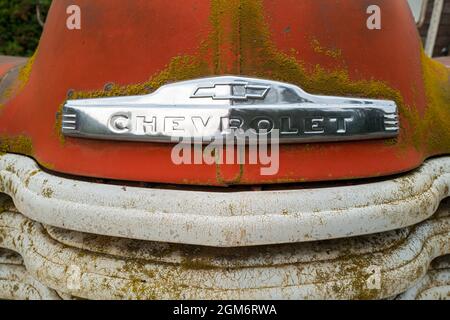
x=224 y=106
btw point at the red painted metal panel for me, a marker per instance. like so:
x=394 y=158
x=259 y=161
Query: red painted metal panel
x=322 y=45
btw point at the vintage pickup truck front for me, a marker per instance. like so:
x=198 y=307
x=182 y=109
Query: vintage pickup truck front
x=113 y=188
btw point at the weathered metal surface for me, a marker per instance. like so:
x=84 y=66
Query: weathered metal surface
x=300 y=42
x=434 y=286
x=225 y=219
x=97 y=267
x=7 y=63
x=10 y=68
x=17 y=284
x=10 y=257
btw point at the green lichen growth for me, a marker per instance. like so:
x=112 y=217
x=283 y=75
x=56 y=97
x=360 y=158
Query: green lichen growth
x=25 y=71
x=31 y=175
x=318 y=48
x=47 y=192
x=18 y=144
x=221 y=180
x=6 y=94
x=240 y=43
x=248 y=39
x=19 y=83
x=58 y=125
x=47 y=165
x=436 y=121
x=180 y=68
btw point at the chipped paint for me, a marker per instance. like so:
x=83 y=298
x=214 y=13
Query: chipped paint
x=226 y=219
x=17 y=284
x=240 y=43
x=116 y=268
x=435 y=285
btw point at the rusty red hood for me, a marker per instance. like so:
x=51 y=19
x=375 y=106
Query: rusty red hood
x=134 y=47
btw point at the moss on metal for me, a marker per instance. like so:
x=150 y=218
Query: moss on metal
x=436 y=121
x=180 y=68
x=240 y=30
x=330 y=52
x=47 y=192
x=25 y=71
x=240 y=43
x=19 y=144
x=19 y=82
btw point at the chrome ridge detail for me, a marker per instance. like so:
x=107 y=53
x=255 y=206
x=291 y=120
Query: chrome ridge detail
x=205 y=109
x=238 y=90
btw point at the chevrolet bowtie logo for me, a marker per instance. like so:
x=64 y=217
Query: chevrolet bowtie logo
x=216 y=107
x=232 y=91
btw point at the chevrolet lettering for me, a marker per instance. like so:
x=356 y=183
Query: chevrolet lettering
x=212 y=107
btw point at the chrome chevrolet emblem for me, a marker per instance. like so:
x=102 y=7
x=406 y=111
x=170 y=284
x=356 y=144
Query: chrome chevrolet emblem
x=232 y=91
x=211 y=107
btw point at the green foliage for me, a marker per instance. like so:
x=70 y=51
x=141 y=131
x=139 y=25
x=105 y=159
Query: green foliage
x=20 y=30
